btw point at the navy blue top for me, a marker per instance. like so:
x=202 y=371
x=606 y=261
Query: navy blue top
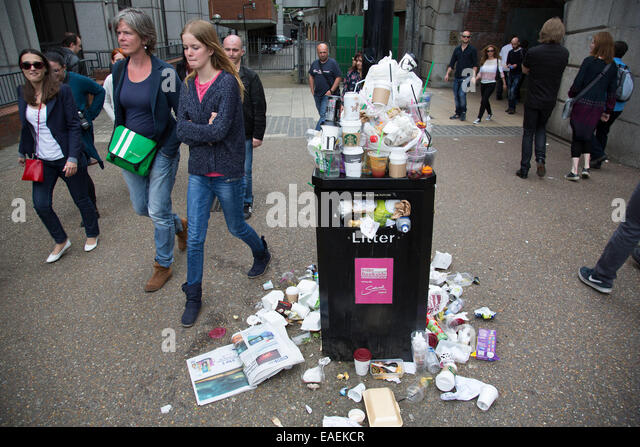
x=217 y=147
x=463 y=59
x=134 y=99
x=163 y=97
x=62 y=121
x=324 y=75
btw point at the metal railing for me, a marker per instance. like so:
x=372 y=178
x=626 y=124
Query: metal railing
x=93 y=60
x=9 y=83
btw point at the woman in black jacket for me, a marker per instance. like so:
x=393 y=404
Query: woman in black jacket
x=51 y=132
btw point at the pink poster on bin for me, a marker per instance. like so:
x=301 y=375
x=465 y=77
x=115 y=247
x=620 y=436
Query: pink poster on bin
x=374 y=280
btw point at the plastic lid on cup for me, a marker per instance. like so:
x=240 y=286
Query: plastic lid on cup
x=362 y=355
x=353 y=123
x=352 y=150
x=398 y=157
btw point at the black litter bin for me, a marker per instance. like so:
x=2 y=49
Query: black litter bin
x=373 y=292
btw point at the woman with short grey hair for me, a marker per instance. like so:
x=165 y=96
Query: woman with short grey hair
x=145 y=90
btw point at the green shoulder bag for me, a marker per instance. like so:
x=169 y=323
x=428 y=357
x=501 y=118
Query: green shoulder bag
x=131 y=151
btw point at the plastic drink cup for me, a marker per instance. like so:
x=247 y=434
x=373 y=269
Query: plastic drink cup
x=332 y=161
x=419 y=112
x=362 y=358
x=430 y=156
x=415 y=162
x=355 y=393
x=398 y=164
x=488 y=394
x=378 y=162
x=381 y=92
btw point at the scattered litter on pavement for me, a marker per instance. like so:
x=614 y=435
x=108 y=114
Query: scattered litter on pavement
x=276 y=422
x=166 y=409
x=218 y=332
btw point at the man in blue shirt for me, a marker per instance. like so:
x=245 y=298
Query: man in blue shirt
x=599 y=140
x=465 y=60
x=82 y=87
x=324 y=80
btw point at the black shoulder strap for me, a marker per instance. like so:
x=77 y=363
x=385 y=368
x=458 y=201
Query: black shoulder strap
x=592 y=83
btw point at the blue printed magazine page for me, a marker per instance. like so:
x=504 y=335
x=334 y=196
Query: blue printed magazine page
x=217 y=375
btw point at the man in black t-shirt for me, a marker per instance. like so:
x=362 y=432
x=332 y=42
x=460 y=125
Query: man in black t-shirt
x=514 y=62
x=324 y=80
x=544 y=65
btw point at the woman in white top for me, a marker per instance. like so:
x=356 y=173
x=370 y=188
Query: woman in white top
x=116 y=55
x=51 y=132
x=490 y=70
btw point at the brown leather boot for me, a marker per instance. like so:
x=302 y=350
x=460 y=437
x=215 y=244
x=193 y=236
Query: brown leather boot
x=160 y=276
x=182 y=236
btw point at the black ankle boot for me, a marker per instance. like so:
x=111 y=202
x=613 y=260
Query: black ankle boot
x=260 y=263
x=193 y=304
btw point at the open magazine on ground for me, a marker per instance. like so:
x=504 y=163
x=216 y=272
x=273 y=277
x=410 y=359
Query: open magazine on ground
x=265 y=350
x=256 y=354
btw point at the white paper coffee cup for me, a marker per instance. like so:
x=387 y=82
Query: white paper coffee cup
x=488 y=394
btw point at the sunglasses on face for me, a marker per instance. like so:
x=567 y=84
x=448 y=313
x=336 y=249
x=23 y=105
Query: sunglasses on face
x=490 y=51
x=28 y=65
x=466 y=37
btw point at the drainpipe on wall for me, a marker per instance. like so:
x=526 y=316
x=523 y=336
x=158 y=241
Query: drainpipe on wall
x=378 y=32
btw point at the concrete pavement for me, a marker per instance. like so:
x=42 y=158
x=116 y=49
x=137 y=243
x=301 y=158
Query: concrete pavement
x=81 y=343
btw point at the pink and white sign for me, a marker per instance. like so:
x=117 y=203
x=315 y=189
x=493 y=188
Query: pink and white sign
x=374 y=280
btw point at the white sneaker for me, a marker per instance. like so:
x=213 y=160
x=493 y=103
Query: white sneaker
x=488 y=118
x=54 y=257
x=477 y=121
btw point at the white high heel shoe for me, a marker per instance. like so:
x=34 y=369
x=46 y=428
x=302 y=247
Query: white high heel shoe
x=89 y=247
x=54 y=257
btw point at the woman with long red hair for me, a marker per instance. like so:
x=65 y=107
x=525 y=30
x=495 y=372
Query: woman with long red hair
x=595 y=104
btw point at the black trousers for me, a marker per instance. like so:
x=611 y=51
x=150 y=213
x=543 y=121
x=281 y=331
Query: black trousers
x=486 y=90
x=599 y=141
x=534 y=129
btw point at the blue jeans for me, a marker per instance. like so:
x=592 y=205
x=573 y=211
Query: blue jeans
x=151 y=197
x=514 y=86
x=247 y=181
x=77 y=184
x=200 y=194
x=321 y=105
x=460 y=96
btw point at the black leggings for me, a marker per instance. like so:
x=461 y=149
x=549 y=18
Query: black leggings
x=486 y=90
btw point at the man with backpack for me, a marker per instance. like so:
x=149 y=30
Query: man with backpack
x=623 y=93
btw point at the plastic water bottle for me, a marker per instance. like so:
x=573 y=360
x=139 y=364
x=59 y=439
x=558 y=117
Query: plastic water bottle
x=419 y=350
x=416 y=392
x=455 y=306
x=433 y=364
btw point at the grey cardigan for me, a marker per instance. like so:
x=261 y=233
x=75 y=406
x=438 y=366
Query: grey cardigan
x=216 y=147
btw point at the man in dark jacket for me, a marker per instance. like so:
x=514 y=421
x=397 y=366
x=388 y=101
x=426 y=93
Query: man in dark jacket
x=254 y=108
x=71 y=46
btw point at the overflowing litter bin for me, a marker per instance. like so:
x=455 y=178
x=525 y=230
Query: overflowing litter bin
x=373 y=290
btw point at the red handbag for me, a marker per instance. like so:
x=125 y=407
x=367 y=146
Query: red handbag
x=33 y=169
